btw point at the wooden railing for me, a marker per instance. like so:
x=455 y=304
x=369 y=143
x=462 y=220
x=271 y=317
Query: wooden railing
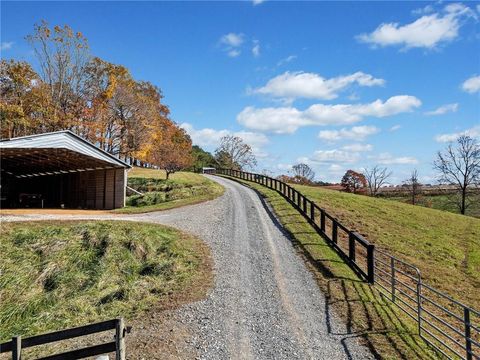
x=18 y=343
x=450 y=327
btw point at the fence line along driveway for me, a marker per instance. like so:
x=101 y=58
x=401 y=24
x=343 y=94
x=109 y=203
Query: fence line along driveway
x=265 y=303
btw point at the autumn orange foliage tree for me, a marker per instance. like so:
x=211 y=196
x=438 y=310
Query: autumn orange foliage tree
x=97 y=100
x=354 y=182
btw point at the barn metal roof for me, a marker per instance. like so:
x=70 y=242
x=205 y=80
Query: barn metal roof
x=61 y=140
x=52 y=153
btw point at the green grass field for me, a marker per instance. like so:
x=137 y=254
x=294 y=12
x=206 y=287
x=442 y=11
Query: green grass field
x=444 y=245
x=58 y=275
x=182 y=188
x=443 y=202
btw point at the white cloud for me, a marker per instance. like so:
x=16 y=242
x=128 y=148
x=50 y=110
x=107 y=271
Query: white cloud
x=443 y=109
x=395 y=127
x=256 y=48
x=257 y=2
x=426 y=32
x=335 y=155
x=6 y=45
x=286 y=60
x=208 y=137
x=473 y=132
x=312 y=86
x=471 y=85
x=234 y=53
x=286 y=120
x=388 y=159
x=425 y=10
x=284 y=167
x=358 y=147
x=354 y=133
x=232 y=39
x=231 y=43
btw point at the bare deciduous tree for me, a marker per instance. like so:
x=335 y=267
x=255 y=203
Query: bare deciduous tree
x=460 y=166
x=414 y=186
x=233 y=153
x=303 y=171
x=376 y=177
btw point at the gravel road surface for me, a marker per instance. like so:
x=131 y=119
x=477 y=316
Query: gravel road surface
x=265 y=304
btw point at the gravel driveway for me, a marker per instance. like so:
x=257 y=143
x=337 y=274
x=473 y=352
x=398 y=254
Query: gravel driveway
x=265 y=304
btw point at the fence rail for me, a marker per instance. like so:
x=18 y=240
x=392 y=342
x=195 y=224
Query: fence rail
x=450 y=327
x=17 y=343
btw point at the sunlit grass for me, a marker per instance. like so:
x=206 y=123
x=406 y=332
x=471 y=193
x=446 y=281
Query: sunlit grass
x=58 y=275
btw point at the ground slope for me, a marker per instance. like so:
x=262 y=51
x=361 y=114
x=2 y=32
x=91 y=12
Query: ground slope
x=444 y=246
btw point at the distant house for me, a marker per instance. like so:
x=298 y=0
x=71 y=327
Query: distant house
x=60 y=170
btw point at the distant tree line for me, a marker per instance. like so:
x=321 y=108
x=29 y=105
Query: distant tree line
x=457 y=166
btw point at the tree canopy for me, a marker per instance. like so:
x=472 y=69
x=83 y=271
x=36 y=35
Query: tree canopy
x=98 y=100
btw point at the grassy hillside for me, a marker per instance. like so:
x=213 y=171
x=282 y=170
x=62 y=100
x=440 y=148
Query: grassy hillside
x=183 y=188
x=444 y=246
x=442 y=202
x=57 y=275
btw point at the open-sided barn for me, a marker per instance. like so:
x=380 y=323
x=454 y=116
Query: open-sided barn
x=62 y=170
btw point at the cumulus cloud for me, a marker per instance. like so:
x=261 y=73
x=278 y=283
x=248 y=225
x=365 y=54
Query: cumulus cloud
x=6 y=45
x=443 y=109
x=354 y=133
x=388 y=159
x=233 y=53
x=232 y=39
x=358 y=147
x=231 y=43
x=471 y=85
x=293 y=85
x=208 y=137
x=427 y=31
x=395 y=127
x=334 y=156
x=286 y=120
x=474 y=132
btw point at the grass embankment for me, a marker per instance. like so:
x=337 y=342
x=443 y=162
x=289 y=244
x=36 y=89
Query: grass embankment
x=445 y=202
x=58 y=275
x=444 y=246
x=183 y=188
x=385 y=329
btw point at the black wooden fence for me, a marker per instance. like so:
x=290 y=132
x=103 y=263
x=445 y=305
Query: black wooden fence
x=450 y=327
x=117 y=345
x=350 y=245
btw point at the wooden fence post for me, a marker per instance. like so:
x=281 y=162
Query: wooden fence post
x=16 y=348
x=304 y=204
x=334 y=231
x=120 y=340
x=322 y=220
x=371 y=263
x=351 y=246
x=312 y=211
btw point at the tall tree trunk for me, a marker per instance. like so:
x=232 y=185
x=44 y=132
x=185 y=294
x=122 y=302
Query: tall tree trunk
x=464 y=195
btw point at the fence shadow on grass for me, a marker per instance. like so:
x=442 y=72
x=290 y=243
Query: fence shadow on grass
x=366 y=314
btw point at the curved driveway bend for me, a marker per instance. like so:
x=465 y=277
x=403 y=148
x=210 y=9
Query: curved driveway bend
x=265 y=303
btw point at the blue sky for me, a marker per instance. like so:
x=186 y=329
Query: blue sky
x=338 y=85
